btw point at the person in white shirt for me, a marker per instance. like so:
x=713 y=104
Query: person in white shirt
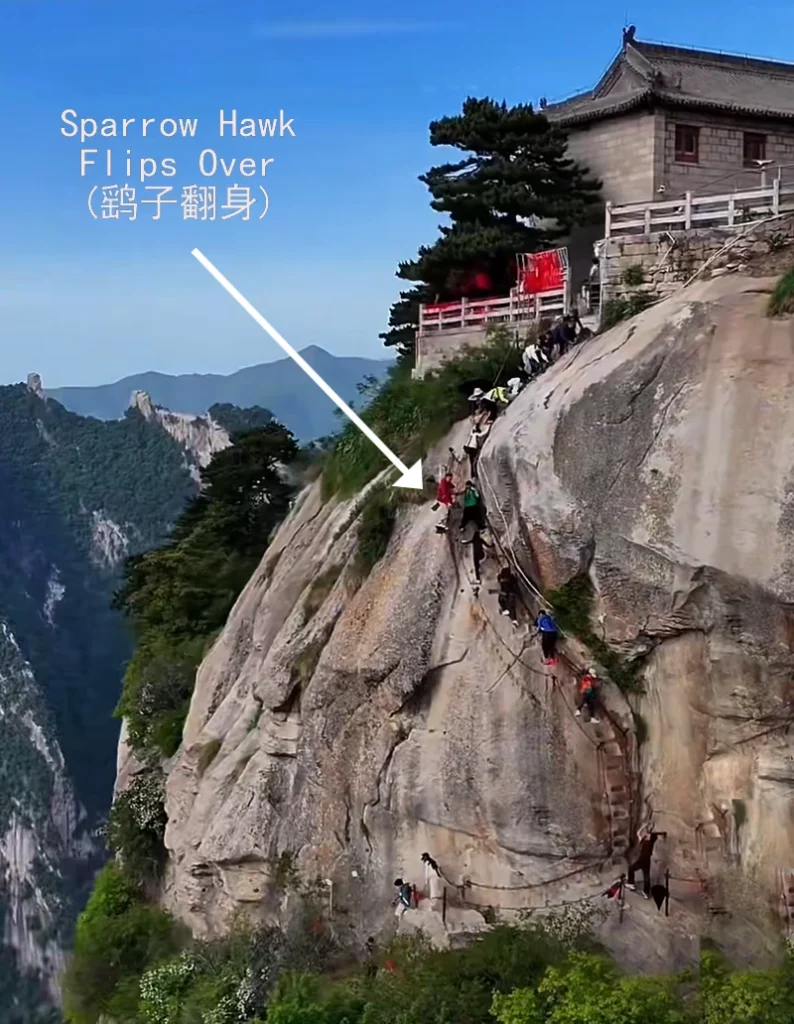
x=514 y=385
x=533 y=360
x=473 y=445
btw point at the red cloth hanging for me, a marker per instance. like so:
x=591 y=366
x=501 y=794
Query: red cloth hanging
x=545 y=273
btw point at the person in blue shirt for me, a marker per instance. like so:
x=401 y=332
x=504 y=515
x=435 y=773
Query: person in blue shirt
x=547 y=627
x=404 y=896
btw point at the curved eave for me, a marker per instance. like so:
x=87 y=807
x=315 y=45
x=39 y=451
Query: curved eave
x=650 y=96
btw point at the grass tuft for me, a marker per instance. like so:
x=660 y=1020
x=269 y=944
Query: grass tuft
x=319 y=590
x=781 y=301
x=375 y=528
x=573 y=607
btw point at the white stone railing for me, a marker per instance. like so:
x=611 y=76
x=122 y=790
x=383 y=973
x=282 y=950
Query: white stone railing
x=456 y=316
x=694 y=211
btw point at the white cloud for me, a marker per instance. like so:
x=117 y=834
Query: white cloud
x=341 y=28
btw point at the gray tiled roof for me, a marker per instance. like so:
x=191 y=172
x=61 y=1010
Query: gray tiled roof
x=692 y=78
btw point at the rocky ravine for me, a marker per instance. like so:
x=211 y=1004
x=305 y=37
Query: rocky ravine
x=405 y=715
x=44 y=840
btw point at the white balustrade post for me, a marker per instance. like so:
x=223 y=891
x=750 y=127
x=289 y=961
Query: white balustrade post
x=463 y=311
x=608 y=220
x=688 y=211
x=776 y=197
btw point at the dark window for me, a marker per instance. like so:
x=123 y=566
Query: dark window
x=754 y=148
x=686 y=144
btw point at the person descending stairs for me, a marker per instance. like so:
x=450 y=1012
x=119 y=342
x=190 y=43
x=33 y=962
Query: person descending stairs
x=546 y=626
x=587 y=696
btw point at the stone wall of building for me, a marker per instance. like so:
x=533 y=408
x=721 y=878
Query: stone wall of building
x=658 y=264
x=634 y=155
x=620 y=152
x=435 y=347
x=720 y=166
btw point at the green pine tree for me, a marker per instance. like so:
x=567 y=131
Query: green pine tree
x=514 y=191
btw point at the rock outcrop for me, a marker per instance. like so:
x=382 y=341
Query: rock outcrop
x=353 y=725
x=201 y=436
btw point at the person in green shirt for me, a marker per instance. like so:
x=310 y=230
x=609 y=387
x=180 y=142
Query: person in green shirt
x=472 y=507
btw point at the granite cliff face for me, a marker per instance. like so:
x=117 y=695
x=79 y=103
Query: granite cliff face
x=353 y=726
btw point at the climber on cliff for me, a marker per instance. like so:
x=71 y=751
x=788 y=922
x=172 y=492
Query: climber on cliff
x=478 y=546
x=508 y=593
x=546 y=348
x=476 y=402
x=588 y=695
x=431 y=864
x=564 y=334
x=445 y=497
x=472 y=507
x=534 y=360
x=546 y=626
x=647 y=840
x=473 y=445
x=494 y=401
x=514 y=386
x=402 y=900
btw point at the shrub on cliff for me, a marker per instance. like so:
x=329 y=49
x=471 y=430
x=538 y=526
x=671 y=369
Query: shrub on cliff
x=137 y=826
x=781 y=301
x=118 y=936
x=588 y=989
x=410 y=415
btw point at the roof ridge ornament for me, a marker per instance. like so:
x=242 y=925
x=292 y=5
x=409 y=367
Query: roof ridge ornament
x=628 y=34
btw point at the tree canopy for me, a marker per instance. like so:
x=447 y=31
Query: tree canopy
x=178 y=595
x=515 y=190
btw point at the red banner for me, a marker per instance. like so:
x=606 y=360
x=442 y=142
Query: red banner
x=545 y=273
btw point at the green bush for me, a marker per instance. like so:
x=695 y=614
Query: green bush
x=319 y=590
x=573 y=607
x=634 y=275
x=136 y=974
x=587 y=989
x=623 y=308
x=158 y=685
x=117 y=937
x=375 y=529
x=781 y=301
x=136 y=827
x=744 y=997
x=410 y=415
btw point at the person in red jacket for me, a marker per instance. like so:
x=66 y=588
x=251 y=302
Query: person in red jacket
x=588 y=695
x=446 y=497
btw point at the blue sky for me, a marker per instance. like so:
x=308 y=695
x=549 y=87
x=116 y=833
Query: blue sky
x=85 y=302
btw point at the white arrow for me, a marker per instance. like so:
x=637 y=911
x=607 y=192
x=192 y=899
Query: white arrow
x=409 y=477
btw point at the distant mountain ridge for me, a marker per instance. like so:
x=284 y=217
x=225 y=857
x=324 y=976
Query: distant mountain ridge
x=280 y=386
